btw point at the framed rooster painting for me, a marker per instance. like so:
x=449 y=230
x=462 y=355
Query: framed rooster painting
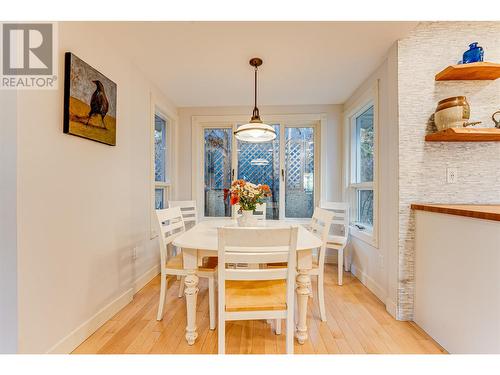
x=89 y=102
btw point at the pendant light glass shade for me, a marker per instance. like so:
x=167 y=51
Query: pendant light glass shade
x=255 y=131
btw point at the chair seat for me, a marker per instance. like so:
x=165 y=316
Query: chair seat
x=209 y=264
x=255 y=295
x=336 y=240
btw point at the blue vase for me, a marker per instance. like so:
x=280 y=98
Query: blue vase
x=473 y=54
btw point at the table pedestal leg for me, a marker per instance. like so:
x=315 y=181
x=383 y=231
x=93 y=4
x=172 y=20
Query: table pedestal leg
x=191 y=292
x=303 y=291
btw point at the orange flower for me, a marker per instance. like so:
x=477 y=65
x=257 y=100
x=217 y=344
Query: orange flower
x=234 y=199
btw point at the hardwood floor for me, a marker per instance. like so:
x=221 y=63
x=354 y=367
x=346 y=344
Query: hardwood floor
x=357 y=323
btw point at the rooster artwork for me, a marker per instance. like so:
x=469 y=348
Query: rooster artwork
x=89 y=102
x=99 y=104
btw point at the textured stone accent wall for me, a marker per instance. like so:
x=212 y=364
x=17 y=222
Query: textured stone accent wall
x=422 y=165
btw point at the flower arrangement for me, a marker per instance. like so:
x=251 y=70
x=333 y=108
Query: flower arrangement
x=248 y=195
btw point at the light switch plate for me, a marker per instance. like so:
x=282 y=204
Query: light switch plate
x=451 y=175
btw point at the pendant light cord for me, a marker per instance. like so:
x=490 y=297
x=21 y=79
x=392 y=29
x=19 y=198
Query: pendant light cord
x=255 y=88
x=255 y=109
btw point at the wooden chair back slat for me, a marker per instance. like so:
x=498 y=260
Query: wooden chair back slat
x=188 y=209
x=320 y=225
x=340 y=212
x=256 y=246
x=169 y=225
x=249 y=257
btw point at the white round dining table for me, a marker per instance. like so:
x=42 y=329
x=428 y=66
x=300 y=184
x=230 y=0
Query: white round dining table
x=201 y=241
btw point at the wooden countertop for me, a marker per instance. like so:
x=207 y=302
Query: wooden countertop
x=487 y=212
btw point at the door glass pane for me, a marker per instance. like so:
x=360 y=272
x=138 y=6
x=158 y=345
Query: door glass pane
x=364 y=146
x=160 y=149
x=299 y=172
x=217 y=169
x=365 y=207
x=259 y=163
x=159 y=199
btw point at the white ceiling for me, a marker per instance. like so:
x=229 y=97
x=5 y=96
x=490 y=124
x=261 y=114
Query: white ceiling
x=206 y=63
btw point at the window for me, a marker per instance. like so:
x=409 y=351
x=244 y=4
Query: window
x=161 y=152
x=362 y=182
x=361 y=159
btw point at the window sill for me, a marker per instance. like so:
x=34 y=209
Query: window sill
x=365 y=235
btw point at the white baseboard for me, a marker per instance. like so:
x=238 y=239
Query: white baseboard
x=146 y=277
x=367 y=281
x=87 y=328
x=391 y=307
x=81 y=333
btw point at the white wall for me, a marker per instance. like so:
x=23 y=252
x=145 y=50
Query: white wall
x=8 y=222
x=332 y=169
x=377 y=267
x=83 y=206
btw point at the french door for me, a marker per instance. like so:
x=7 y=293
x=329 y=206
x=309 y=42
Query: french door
x=288 y=164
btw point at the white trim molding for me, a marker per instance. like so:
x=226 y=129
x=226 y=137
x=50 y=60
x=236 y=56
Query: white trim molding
x=369 y=282
x=391 y=307
x=146 y=277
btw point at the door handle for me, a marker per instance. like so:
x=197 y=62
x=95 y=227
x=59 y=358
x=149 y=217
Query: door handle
x=283 y=175
x=232 y=175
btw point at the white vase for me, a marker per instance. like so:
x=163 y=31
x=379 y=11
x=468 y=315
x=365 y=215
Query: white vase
x=247 y=219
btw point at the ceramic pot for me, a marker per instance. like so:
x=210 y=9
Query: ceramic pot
x=452 y=113
x=247 y=219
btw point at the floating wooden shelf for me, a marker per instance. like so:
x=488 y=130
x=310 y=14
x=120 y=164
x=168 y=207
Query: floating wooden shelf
x=472 y=71
x=465 y=135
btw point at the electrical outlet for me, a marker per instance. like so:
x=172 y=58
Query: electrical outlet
x=451 y=175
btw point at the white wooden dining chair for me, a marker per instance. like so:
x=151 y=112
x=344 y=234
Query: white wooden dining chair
x=338 y=241
x=190 y=217
x=320 y=226
x=189 y=211
x=260 y=293
x=171 y=225
x=259 y=212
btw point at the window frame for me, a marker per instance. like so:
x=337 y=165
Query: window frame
x=164 y=185
x=352 y=187
x=170 y=117
x=318 y=121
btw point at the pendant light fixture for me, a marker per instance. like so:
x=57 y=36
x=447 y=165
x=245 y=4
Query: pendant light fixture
x=255 y=131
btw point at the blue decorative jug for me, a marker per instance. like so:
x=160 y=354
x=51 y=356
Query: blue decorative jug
x=473 y=54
